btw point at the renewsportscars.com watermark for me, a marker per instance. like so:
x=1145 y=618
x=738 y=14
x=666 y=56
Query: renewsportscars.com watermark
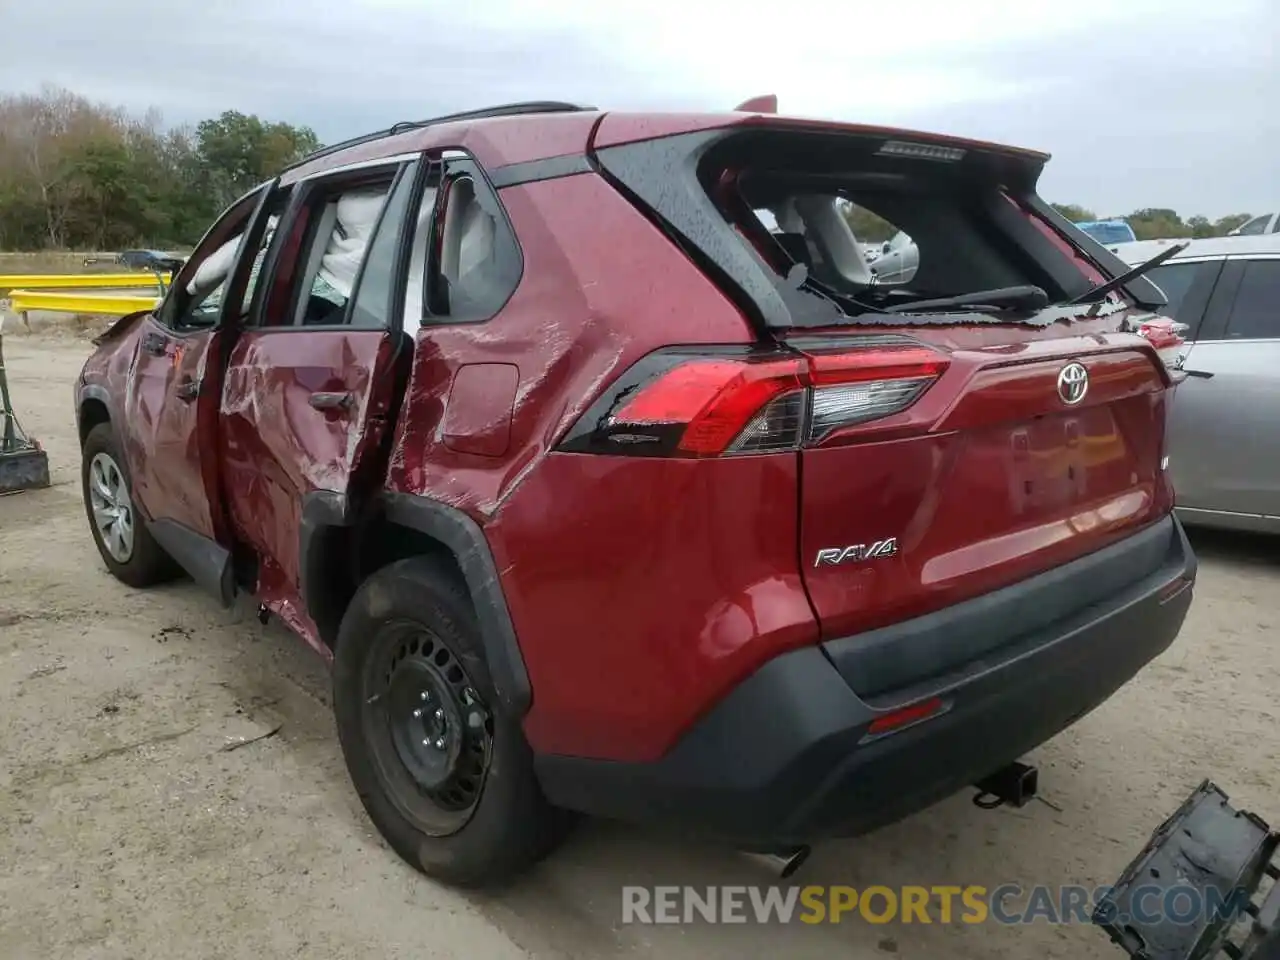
x=1006 y=904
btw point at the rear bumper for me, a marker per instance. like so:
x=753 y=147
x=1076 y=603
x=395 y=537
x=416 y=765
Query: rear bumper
x=785 y=757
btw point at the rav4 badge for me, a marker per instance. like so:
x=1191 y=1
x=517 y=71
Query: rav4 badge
x=857 y=553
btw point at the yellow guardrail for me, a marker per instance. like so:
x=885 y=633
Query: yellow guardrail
x=103 y=305
x=80 y=281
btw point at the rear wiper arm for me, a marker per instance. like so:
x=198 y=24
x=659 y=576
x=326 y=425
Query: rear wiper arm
x=1097 y=293
x=1012 y=298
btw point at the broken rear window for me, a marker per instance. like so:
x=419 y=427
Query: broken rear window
x=872 y=230
x=806 y=224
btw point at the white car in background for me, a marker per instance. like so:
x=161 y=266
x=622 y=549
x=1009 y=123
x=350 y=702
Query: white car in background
x=1258 y=226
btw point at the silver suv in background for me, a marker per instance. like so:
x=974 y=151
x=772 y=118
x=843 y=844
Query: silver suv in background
x=1224 y=432
x=898 y=260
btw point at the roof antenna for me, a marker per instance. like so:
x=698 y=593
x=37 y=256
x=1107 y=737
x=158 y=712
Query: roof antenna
x=767 y=103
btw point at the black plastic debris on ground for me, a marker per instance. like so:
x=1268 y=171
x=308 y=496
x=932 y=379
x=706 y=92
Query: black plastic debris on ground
x=1216 y=859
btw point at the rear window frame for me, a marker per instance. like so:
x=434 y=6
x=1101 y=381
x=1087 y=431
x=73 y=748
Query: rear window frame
x=674 y=181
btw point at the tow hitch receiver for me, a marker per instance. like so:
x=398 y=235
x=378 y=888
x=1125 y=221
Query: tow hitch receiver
x=1193 y=882
x=1014 y=785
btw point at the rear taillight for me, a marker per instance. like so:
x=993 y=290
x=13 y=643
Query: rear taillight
x=697 y=404
x=1166 y=336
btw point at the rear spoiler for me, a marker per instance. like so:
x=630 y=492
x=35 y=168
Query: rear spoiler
x=766 y=103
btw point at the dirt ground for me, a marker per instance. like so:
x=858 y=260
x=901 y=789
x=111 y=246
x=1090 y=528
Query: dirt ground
x=131 y=830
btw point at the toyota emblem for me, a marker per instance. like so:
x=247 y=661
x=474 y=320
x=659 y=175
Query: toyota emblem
x=1073 y=383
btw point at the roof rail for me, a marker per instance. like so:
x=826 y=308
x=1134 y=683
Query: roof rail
x=502 y=110
x=335 y=147
x=484 y=113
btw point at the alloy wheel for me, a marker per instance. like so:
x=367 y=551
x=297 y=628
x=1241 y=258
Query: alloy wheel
x=112 y=507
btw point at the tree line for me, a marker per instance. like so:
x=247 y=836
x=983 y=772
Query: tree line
x=1160 y=223
x=79 y=175
x=1147 y=224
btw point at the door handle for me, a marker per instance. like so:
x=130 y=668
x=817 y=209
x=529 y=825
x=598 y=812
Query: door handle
x=155 y=344
x=188 y=390
x=1202 y=374
x=331 y=401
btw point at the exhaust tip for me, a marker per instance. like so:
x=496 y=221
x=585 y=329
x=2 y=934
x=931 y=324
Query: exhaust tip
x=784 y=863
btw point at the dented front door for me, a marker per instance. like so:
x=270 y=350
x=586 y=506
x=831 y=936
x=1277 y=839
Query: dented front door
x=169 y=426
x=173 y=474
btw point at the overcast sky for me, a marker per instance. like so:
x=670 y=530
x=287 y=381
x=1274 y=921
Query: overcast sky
x=1141 y=102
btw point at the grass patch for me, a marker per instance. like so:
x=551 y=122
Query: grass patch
x=63 y=262
x=57 y=262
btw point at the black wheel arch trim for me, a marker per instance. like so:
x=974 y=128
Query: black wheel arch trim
x=92 y=391
x=321 y=510
x=464 y=538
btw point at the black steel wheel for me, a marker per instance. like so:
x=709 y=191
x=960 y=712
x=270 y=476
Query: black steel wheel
x=427 y=728
x=444 y=772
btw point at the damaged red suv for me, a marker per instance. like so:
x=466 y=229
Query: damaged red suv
x=593 y=452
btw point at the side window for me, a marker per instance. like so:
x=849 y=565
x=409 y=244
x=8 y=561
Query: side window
x=274 y=209
x=195 y=298
x=343 y=232
x=324 y=245
x=475 y=263
x=1256 y=312
x=1174 y=280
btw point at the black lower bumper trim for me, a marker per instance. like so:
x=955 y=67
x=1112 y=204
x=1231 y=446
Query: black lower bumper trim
x=929 y=646
x=783 y=758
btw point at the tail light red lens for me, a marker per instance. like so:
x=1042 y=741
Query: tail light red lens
x=689 y=405
x=864 y=385
x=715 y=399
x=904 y=362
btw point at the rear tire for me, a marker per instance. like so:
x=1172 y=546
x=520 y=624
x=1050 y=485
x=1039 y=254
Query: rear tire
x=444 y=773
x=122 y=537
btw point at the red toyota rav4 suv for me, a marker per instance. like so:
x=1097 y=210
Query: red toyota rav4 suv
x=590 y=450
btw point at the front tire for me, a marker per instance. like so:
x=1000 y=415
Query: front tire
x=445 y=775
x=121 y=536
